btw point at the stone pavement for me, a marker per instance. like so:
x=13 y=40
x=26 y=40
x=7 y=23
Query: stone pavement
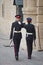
x=7 y=57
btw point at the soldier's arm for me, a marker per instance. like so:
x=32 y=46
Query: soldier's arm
x=34 y=31
x=11 y=34
x=22 y=25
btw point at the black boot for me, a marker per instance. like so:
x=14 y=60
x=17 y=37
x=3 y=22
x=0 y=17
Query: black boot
x=16 y=57
x=29 y=57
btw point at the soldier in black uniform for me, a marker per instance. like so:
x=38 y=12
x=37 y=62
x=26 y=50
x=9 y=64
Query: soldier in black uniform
x=30 y=36
x=16 y=34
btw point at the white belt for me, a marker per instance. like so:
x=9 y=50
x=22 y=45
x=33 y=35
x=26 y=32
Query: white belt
x=29 y=33
x=17 y=31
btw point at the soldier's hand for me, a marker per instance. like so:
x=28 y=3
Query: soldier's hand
x=11 y=41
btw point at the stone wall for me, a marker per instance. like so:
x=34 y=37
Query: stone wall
x=7 y=16
x=34 y=9
x=40 y=21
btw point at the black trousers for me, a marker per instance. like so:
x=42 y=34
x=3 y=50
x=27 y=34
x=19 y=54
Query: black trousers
x=29 y=46
x=16 y=46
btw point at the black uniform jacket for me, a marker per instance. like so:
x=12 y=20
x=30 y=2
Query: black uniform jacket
x=30 y=28
x=16 y=27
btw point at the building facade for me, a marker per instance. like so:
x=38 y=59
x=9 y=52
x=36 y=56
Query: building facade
x=31 y=8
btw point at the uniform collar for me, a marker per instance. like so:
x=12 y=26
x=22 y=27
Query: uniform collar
x=19 y=22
